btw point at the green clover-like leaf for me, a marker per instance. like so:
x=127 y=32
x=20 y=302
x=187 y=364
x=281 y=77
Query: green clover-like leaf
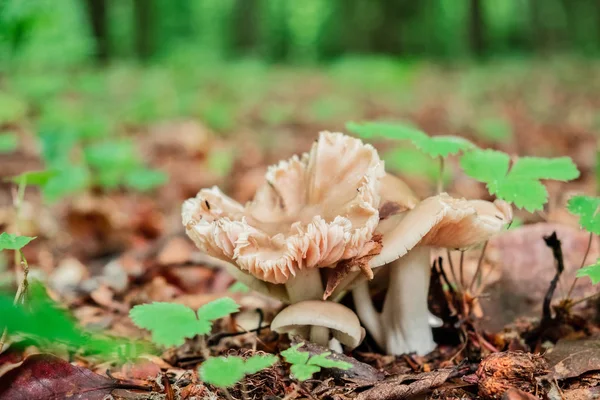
x=293 y=356
x=588 y=210
x=521 y=184
x=443 y=146
x=218 y=309
x=34 y=178
x=222 y=371
x=144 y=179
x=322 y=361
x=259 y=362
x=303 y=372
x=13 y=242
x=170 y=323
x=591 y=271
x=238 y=287
x=386 y=130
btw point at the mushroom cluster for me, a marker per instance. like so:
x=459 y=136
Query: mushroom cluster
x=318 y=226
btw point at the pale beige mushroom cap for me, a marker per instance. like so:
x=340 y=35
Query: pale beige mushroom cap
x=441 y=221
x=313 y=211
x=299 y=317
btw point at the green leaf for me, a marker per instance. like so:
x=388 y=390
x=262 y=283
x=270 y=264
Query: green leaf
x=143 y=179
x=9 y=142
x=591 y=271
x=222 y=371
x=586 y=207
x=322 y=361
x=386 y=130
x=303 y=372
x=239 y=287
x=111 y=154
x=170 y=323
x=259 y=362
x=485 y=165
x=558 y=169
x=13 y=242
x=71 y=180
x=528 y=194
x=442 y=146
x=218 y=309
x=293 y=356
x=34 y=178
x=221 y=162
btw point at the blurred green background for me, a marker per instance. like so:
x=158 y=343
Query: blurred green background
x=80 y=80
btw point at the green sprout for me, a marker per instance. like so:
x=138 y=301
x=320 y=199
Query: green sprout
x=225 y=372
x=521 y=184
x=13 y=242
x=591 y=271
x=304 y=366
x=238 y=287
x=438 y=147
x=586 y=208
x=172 y=323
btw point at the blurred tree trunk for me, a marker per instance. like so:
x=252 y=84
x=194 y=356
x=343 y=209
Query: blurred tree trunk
x=143 y=14
x=477 y=28
x=245 y=16
x=96 y=10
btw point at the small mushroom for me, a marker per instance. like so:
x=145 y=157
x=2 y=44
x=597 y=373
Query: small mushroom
x=442 y=221
x=324 y=317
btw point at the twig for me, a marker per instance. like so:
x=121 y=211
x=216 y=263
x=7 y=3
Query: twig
x=591 y=296
x=227 y=394
x=587 y=250
x=453 y=271
x=479 y=264
x=552 y=242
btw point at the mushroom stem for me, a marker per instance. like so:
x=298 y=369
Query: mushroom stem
x=307 y=285
x=405 y=315
x=369 y=316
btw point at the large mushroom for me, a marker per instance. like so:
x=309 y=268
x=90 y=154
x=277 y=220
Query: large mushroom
x=440 y=221
x=312 y=212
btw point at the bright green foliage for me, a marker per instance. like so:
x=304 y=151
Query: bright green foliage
x=48 y=325
x=143 y=179
x=586 y=207
x=591 y=271
x=521 y=184
x=12 y=108
x=13 y=242
x=34 y=178
x=227 y=371
x=304 y=366
x=495 y=129
x=239 y=287
x=412 y=162
x=68 y=181
x=172 y=323
x=437 y=146
x=8 y=142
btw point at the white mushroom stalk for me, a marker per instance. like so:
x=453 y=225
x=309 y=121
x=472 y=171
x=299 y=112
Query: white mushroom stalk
x=312 y=212
x=403 y=326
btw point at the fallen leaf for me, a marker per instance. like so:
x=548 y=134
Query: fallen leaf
x=571 y=358
x=516 y=394
x=46 y=377
x=396 y=389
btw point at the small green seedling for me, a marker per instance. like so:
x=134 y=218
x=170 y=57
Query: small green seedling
x=239 y=287
x=521 y=185
x=225 y=372
x=304 y=366
x=435 y=147
x=172 y=323
x=438 y=147
x=591 y=271
x=586 y=208
x=13 y=242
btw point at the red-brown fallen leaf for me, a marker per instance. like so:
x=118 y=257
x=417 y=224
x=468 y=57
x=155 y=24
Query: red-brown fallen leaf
x=46 y=377
x=571 y=358
x=397 y=389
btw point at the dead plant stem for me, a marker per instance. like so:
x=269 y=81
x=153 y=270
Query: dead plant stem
x=440 y=181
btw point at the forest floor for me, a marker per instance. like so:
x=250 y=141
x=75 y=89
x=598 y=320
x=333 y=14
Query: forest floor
x=100 y=252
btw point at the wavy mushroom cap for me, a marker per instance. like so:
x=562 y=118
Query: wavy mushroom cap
x=312 y=211
x=441 y=221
